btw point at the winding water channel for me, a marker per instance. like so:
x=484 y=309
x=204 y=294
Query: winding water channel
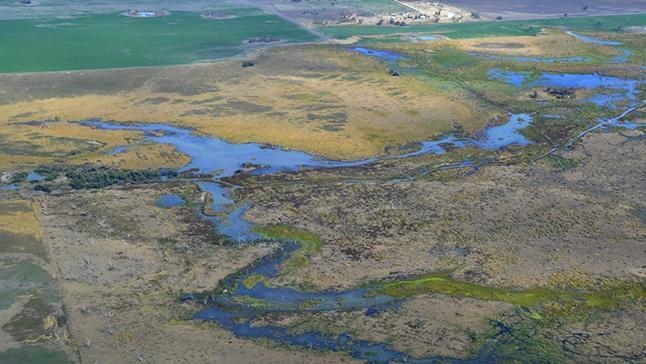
x=223 y=159
x=232 y=309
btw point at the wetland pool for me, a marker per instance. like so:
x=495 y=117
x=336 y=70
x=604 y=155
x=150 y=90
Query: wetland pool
x=170 y=200
x=589 y=81
x=34 y=177
x=384 y=55
x=224 y=159
x=232 y=311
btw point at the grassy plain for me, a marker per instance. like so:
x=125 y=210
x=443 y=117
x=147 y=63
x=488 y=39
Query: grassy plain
x=57 y=141
x=566 y=278
x=610 y=23
x=552 y=43
x=324 y=100
x=115 y=41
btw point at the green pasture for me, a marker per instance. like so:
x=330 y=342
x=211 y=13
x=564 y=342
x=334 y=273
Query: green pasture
x=117 y=41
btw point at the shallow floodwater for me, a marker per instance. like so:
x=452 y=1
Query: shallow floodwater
x=145 y=14
x=619 y=59
x=495 y=137
x=223 y=159
x=230 y=309
x=386 y=56
x=214 y=155
x=34 y=177
x=117 y=150
x=169 y=200
x=427 y=37
x=582 y=81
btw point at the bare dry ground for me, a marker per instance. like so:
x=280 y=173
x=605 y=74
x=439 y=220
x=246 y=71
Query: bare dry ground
x=520 y=226
x=122 y=263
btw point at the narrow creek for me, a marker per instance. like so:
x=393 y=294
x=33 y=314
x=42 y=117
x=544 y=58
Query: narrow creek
x=222 y=159
x=236 y=307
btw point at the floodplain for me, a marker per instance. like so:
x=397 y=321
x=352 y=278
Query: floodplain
x=468 y=197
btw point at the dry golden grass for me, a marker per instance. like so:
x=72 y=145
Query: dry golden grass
x=551 y=43
x=148 y=156
x=326 y=101
x=72 y=143
x=19 y=217
x=54 y=141
x=320 y=99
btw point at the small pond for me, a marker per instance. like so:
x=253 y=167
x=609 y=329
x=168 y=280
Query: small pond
x=170 y=200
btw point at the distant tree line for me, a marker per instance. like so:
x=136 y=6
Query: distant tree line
x=89 y=176
x=99 y=177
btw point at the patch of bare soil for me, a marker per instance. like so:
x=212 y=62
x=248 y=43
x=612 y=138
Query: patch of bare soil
x=523 y=226
x=616 y=338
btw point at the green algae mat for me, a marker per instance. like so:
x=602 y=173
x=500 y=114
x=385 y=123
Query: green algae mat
x=117 y=41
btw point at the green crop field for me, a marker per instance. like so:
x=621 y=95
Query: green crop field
x=491 y=29
x=116 y=41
